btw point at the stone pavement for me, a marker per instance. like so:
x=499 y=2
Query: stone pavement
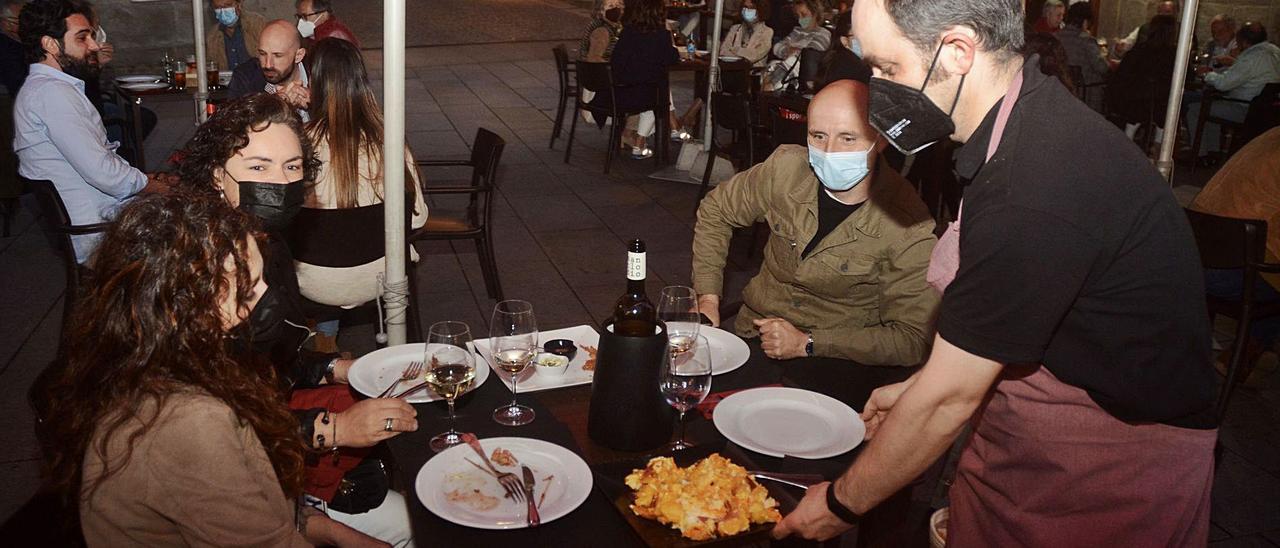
x=560 y=232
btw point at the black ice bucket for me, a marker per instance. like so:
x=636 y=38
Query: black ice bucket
x=628 y=412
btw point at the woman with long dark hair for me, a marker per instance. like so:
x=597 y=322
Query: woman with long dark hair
x=640 y=60
x=346 y=130
x=155 y=427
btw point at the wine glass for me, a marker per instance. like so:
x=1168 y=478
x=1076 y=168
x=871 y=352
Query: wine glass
x=686 y=380
x=678 y=309
x=450 y=371
x=513 y=341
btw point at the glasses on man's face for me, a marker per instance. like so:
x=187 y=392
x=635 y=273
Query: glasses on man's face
x=302 y=16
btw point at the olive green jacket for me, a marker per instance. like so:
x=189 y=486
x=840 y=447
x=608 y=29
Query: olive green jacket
x=861 y=292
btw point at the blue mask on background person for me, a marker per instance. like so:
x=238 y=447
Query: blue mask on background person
x=856 y=47
x=749 y=15
x=227 y=16
x=840 y=171
x=806 y=21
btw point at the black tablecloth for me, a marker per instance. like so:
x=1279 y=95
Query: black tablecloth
x=596 y=521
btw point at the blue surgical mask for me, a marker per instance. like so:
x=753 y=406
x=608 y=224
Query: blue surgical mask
x=749 y=15
x=227 y=16
x=806 y=21
x=840 y=171
x=856 y=47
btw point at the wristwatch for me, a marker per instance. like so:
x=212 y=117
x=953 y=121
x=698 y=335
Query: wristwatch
x=808 y=347
x=328 y=370
x=840 y=510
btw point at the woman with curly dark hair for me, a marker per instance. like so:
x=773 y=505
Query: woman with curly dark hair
x=253 y=153
x=154 y=427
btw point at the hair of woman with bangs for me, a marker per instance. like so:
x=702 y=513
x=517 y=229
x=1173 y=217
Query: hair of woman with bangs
x=149 y=326
x=345 y=114
x=644 y=15
x=227 y=132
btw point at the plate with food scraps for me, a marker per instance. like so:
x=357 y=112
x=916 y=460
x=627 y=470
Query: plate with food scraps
x=375 y=371
x=611 y=480
x=139 y=78
x=455 y=486
x=580 y=370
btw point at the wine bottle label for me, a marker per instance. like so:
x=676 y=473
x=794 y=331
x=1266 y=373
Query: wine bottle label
x=635 y=266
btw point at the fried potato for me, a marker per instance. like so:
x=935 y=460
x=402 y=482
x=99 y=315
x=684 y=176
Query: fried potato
x=712 y=498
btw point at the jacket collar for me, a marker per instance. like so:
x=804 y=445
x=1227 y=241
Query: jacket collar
x=868 y=218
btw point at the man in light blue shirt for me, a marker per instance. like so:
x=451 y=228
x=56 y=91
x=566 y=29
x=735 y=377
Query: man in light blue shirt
x=58 y=135
x=1257 y=65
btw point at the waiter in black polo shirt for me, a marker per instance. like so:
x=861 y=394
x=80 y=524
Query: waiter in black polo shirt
x=1072 y=335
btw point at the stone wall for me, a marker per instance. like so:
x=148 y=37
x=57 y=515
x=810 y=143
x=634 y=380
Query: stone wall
x=143 y=31
x=1118 y=17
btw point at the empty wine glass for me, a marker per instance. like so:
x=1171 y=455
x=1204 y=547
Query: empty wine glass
x=678 y=309
x=513 y=333
x=686 y=381
x=450 y=371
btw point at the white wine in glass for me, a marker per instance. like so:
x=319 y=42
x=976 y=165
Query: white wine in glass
x=678 y=309
x=451 y=369
x=513 y=340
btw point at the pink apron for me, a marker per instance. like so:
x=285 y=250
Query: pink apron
x=1046 y=466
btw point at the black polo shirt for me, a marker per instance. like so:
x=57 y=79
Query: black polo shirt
x=1074 y=254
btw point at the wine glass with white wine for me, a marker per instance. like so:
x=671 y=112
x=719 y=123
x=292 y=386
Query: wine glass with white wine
x=451 y=369
x=686 y=381
x=678 y=309
x=513 y=333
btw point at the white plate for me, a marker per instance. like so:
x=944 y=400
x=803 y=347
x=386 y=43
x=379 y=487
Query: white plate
x=568 y=488
x=728 y=351
x=145 y=86
x=730 y=58
x=375 y=371
x=532 y=380
x=139 y=78
x=781 y=422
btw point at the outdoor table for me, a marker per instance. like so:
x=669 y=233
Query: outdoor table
x=562 y=419
x=132 y=100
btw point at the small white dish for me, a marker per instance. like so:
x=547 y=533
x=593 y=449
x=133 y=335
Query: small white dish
x=730 y=58
x=574 y=374
x=781 y=422
x=551 y=364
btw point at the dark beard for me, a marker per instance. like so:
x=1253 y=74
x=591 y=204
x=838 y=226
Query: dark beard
x=79 y=68
x=281 y=78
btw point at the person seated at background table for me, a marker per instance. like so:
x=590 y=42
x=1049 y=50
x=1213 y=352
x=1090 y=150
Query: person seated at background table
x=1248 y=187
x=1051 y=15
x=601 y=35
x=155 y=429
x=809 y=33
x=253 y=154
x=1138 y=92
x=1257 y=65
x=58 y=134
x=841 y=62
x=1221 y=46
x=316 y=21
x=1053 y=59
x=1082 y=51
x=639 y=62
x=276 y=69
x=234 y=39
x=782 y=19
x=844 y=268
x=346 y=130
x=13 y=64
x=752 y=38
x=1139 y=34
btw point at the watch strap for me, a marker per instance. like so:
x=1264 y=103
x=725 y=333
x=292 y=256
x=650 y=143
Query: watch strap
x=808 y=347
x=840 y=510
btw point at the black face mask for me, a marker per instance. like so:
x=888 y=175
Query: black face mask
x=274 y=204
x=906 y=117
x=613 y=15
x=259 y=333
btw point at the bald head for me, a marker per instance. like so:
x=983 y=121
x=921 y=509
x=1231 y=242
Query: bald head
x=838 y=117
x=1167 y=8
x=279 y=51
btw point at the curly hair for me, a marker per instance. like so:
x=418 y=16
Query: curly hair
x=227 y=132
x=644 y=15
x=150 y=325
x=40 y=18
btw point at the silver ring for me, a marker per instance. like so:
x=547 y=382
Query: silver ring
x=387 y=427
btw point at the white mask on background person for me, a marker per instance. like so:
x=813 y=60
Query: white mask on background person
x=306 y=28
x=227 y=16
x=749 y=15
x=855 y=46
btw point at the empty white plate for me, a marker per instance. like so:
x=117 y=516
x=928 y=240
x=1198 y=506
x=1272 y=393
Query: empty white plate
x=780 y=422
x=375 y=371
x=563 y=483
x=144 y=86
x=728 y=351
x=139 y=78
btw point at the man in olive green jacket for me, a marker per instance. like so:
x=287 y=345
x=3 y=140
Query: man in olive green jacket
x=856 y=291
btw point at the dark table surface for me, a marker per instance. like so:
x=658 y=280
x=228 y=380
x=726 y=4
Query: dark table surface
x=562 y=419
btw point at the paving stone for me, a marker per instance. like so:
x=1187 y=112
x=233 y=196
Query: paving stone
x=1244 y=497
x=1244 y=541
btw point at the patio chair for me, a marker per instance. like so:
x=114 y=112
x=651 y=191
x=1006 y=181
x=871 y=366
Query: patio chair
x=568 y=88
x=598 y=78
x=473 y=222
x=732 y=112
x=57 y=225
x=1229 y=243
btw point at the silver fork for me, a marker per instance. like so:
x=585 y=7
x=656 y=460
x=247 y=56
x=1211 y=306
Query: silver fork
x=413 y=370
x=508 y=481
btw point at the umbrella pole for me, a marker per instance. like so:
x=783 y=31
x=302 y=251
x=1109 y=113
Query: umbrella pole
x=1164 y=162
x=713 y=79
x=202 y=79
x=395 y=295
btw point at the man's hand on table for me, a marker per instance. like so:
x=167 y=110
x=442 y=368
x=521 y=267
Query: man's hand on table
x=780 y=340
x=811 y=519
x=709 y=306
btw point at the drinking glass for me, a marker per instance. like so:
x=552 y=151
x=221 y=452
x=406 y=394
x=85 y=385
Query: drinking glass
x=513 y=341
x=100 y=36
x=678 y=309
x=450 y=371
x=686 y=381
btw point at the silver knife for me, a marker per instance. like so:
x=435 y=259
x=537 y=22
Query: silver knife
x=534 y=520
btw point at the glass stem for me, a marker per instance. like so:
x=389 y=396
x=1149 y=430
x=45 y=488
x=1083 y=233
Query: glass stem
x=513 y=390
x=681 y=421
x=451 y=417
